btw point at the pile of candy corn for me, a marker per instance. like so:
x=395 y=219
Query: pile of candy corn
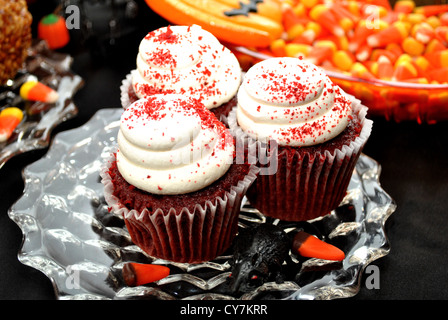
x=10 y=118
x=31 y=90
x=34 y=90
x=368 y=39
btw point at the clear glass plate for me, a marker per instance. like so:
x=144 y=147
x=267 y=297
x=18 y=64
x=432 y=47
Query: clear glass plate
x=69 y=235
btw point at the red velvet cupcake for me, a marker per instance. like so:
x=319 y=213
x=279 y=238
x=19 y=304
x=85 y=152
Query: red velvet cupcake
x=185 y=60
x=174 y=179
x=313 y=131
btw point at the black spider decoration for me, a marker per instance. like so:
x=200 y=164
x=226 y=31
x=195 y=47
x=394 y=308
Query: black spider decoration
x=244 y=8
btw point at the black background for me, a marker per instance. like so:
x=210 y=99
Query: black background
x=414 y=160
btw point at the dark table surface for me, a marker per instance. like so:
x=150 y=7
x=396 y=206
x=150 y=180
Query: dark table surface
x=414 y=160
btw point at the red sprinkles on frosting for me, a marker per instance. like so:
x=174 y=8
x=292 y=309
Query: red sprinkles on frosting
x=206 y=87
x=318 y=128
x=153 y=108
x=296 y=88
x=166 y=35
x=162 y=58
x=286 y=89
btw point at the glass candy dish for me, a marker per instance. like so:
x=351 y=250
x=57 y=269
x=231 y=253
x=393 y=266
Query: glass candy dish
x=392 y=100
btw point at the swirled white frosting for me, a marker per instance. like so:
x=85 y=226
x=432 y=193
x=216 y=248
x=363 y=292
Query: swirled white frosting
x=169 y=144
x=186 y=60
x=291 y=101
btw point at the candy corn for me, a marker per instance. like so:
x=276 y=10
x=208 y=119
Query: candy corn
x=412 y=46
x=343 y=60
x=404 y=6
x=385 y=68
x=277 y=47
x=395 y=49
x=438 y=58
x=404 y=70
x=423 y=32
x=297 y=49
x=440 y=75
x=422 y=65
x=320 y=53
x=309 y=3
x=295 y=31
x=137 y=274
x=37 y=91
x=444 y=19
x=310 y=246
x=9 y=120
x=359 y=70
x=322 y=14
x=381 y=3
x=432 y=10
x=433 y=21
x=290 y=18
x=306 y=37
x=441 y=33
x=363 y=53
x=361 y=32
x=345 y=18
x=394 y=33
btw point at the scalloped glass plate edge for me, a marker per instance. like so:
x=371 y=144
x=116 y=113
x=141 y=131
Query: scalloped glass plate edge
x=364 y=194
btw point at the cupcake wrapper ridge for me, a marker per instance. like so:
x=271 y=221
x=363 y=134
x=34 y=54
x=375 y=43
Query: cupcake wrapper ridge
x=296 y=186
x=124 y=93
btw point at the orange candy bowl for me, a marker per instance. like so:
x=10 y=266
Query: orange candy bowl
x=399 y=101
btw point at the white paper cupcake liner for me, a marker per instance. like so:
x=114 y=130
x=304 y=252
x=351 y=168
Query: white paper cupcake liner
x=295 y=187
x=124 y=91
x=186 y=236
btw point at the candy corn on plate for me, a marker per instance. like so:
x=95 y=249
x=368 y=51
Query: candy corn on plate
x=31 y=108
x=392 y=57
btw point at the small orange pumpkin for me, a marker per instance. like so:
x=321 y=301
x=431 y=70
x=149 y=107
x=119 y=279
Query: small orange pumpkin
x=249 y=22
x=53 y=30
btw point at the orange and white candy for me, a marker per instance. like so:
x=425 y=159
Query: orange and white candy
x=36 y=91
x=137 y=274
x=9 y=119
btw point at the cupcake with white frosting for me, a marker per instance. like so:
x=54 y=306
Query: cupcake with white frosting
x=174 y=179
x=185 y=60
x=317 y=130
